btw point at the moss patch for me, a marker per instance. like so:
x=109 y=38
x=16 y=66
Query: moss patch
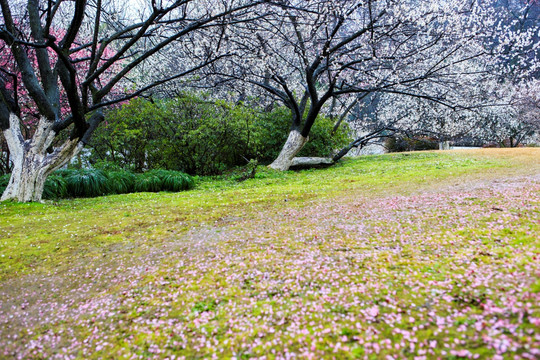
x=425 y=254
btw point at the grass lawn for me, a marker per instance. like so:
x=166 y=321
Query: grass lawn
x=422 y=255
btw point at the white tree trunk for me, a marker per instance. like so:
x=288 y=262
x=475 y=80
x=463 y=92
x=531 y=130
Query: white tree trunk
x=295 y=142
x=32 y=163
x=444 y=145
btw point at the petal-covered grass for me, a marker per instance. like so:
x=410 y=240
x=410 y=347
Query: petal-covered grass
x=423 y=255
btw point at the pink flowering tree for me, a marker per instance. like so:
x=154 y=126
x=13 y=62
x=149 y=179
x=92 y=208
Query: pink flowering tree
x=61 y=81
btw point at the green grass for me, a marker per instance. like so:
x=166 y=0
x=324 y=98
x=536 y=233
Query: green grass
x=422 y=246
x=38 y=231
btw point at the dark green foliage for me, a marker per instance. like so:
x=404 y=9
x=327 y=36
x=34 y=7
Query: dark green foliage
x=163 y=180
x=4 y=180
x=66 y=183
x=177 y=181
x=273 y=128
x=196 y=136
x=242 y=173
x=148 y=182
x=86 y=183
x=55 y=187
x=95 y=182
x=186 y=134
x=107 y=166
x=63 y=172
x=120 y=182
x=404 y=143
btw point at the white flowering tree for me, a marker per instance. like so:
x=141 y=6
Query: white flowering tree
x=493 y=100
x=309 y=52
x=68 y=60
x=494 y=112
x=517 y=119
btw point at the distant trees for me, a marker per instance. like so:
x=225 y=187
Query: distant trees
x=517 y=119
x=493 y=111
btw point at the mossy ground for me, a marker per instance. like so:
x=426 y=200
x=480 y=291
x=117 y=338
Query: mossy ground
x=416 y=255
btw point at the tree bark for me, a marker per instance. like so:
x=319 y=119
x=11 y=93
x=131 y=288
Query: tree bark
x=295 y=142
x=444 y=145
x=32 y=163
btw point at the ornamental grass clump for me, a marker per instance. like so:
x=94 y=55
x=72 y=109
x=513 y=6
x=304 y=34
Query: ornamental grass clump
x=66 y=183
x=163 y=180
x=174 y=180
x=86 y=182
x=120 y=182
x=4 y=180
x=148 y=182
x=55 y=187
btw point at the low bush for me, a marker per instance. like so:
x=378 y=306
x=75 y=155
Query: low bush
x=198 y=136
x=148 y=182
x=120 y=182
x=402 y=143
x=70 y=183
x=55 y=187
x=86 y=183
x=163 y=180
x=4 y=180
x=187 y=134
x=174 y=180
x=272 y=129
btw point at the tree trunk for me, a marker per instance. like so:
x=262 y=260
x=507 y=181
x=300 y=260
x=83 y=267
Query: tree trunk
x=310 y=162
x=32 y=162
x=295 y=142
x=444 y=145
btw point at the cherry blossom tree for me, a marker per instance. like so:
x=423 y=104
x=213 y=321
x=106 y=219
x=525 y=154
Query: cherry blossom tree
x=309 y=52
x=517 y=119
x=87 y=61
x=491 y=101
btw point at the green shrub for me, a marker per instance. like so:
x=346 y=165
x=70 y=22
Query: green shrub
x=198 y=136
x=86 y=182
x=174 y=180
x=63 y=172
x=404 y=143
x=120 y=182
x=66 y=183
x=4 y=180
x=163 y=180
x=55 y=187
x=243 y=173
x=186 y=134
x=107 y=166
x=272 y=129
x=148 y=183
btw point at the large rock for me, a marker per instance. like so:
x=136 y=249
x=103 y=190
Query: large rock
x=310 y=162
